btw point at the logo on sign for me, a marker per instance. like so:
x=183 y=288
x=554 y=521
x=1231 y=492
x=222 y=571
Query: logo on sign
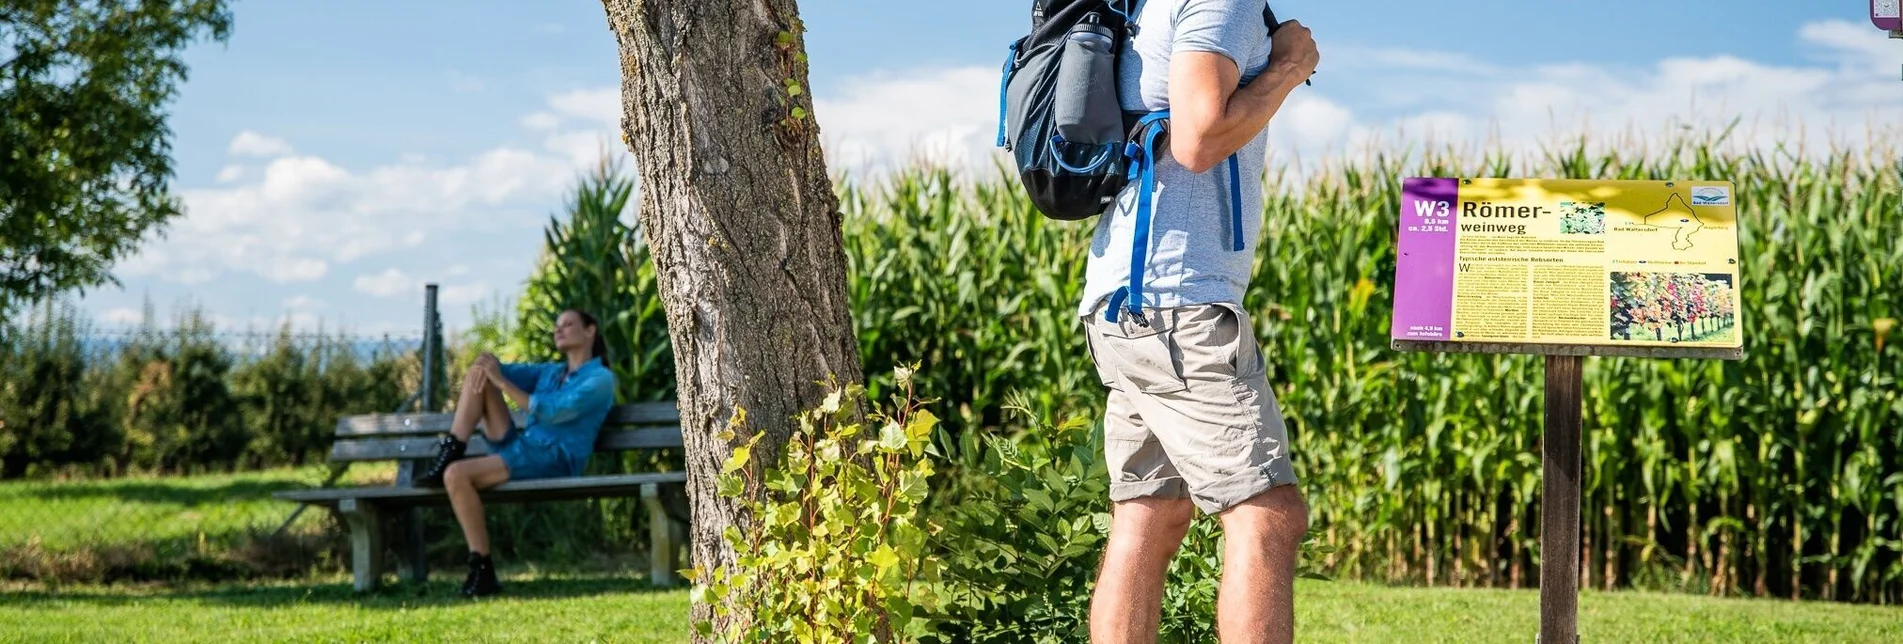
x=1711 y=196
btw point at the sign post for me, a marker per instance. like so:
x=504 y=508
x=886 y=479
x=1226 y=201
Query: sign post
x=1567 y=269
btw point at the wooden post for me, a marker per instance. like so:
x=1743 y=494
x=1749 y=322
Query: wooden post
x=1559 y=502
x=661 y=538
x=366 y=542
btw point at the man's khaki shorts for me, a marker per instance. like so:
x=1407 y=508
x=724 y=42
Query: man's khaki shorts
x=1190 y=411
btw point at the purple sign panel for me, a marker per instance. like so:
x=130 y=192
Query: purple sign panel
x=1887 y=14
x=1424 y=266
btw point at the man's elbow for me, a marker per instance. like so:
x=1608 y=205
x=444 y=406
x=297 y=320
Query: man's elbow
x=1194 y=155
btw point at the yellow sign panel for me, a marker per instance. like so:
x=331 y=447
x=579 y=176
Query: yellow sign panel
x=1531 y=261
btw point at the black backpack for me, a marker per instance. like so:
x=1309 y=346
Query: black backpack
x=1057 y=106
x=1059 y=117
x=1058 y=113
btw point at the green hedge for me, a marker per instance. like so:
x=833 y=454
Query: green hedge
x=77 y=401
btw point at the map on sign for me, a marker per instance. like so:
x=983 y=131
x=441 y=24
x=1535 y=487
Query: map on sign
x=1887 y=14
x=1527 y=261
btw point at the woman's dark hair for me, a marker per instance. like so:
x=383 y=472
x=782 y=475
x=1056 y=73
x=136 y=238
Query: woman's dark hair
x=600 y=349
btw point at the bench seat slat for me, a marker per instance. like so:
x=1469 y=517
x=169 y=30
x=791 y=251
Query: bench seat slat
x=514 y=491
x=423 y=447
x=377 y=425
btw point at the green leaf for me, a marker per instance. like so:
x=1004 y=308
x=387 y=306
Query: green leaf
x=737 y=460
x=892 y=437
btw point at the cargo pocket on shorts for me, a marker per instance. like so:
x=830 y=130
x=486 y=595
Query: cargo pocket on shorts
x=1246 y=353
x=1146 y=356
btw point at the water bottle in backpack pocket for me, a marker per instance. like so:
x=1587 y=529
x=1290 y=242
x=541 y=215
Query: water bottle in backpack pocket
x=1088 y=120
x=1058 y=111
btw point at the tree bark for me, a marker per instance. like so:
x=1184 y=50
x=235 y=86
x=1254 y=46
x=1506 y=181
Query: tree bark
x=744 y=226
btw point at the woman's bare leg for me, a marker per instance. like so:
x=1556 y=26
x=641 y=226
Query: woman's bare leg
x=480 y=403
x=463 y=480
x=470 y=406
x=495 y=415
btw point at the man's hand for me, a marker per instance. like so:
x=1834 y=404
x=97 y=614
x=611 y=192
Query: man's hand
x=1293 y=48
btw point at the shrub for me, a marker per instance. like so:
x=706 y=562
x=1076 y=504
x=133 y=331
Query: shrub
x=833 y=549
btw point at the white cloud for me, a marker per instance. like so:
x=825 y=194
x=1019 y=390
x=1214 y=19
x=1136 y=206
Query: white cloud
x=600 y=106
x=230 y=173
x=253 y=144
x=303 y=303
x=301 y=214
x=542 y=121
x=459 y=295
x=390 y=282
x=123 y=316
x=944 y=114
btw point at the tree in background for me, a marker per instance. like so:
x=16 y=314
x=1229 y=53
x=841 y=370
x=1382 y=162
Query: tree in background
x=85 y=152
x=745 y=227
x=47 y=418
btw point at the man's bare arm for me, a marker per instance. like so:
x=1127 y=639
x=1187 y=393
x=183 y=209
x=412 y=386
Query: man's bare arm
x=1211 y=118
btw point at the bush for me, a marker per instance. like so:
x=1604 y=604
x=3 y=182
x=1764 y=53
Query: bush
x=1022 y=524
x=49 y=419
x=833 y=548
x=75 y=401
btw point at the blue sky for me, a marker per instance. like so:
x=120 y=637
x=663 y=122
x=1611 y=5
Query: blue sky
x=334 y=156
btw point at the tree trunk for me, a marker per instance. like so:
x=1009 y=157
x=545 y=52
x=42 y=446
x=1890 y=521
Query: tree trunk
x=744 y=226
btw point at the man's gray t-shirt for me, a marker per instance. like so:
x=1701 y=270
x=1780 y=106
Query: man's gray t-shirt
x=1191 y=257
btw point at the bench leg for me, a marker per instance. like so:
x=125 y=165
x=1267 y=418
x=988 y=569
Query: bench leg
x=366 y=542
x=417 y=553
x=661 y=543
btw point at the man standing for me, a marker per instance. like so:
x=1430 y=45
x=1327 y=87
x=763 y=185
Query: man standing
x=1191 y=422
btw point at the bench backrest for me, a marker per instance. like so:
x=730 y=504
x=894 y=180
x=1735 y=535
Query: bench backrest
x=405 y=437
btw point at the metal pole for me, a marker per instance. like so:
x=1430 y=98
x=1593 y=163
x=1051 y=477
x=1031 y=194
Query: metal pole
x=432 y=360
x=1559 y=502
x=429 y=349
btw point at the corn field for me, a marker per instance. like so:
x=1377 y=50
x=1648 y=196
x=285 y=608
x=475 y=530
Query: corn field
x=1779 y=475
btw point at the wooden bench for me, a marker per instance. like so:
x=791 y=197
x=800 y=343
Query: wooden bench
x=411 y=440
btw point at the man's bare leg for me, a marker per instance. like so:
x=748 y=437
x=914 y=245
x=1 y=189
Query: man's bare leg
x=1128 y=602
x=1263 y=537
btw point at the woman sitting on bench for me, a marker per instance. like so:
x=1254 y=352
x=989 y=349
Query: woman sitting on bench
x=565 y=402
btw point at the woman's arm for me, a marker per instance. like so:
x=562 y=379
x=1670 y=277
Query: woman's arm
x=493 y=368
x=589 y=397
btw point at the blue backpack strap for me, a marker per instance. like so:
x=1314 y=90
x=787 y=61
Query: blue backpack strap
x=1130 y=297
x=1235 y=204
x=1004 y=89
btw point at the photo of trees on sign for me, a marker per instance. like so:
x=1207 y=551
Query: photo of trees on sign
x=1673 y=307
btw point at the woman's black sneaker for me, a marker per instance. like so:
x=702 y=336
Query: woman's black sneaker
x=481 y=581
x=449 y=451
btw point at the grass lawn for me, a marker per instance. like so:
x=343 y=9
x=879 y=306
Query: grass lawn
x=165 y=513
x=176 y=517
x=624 y=609
x=576 y=609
